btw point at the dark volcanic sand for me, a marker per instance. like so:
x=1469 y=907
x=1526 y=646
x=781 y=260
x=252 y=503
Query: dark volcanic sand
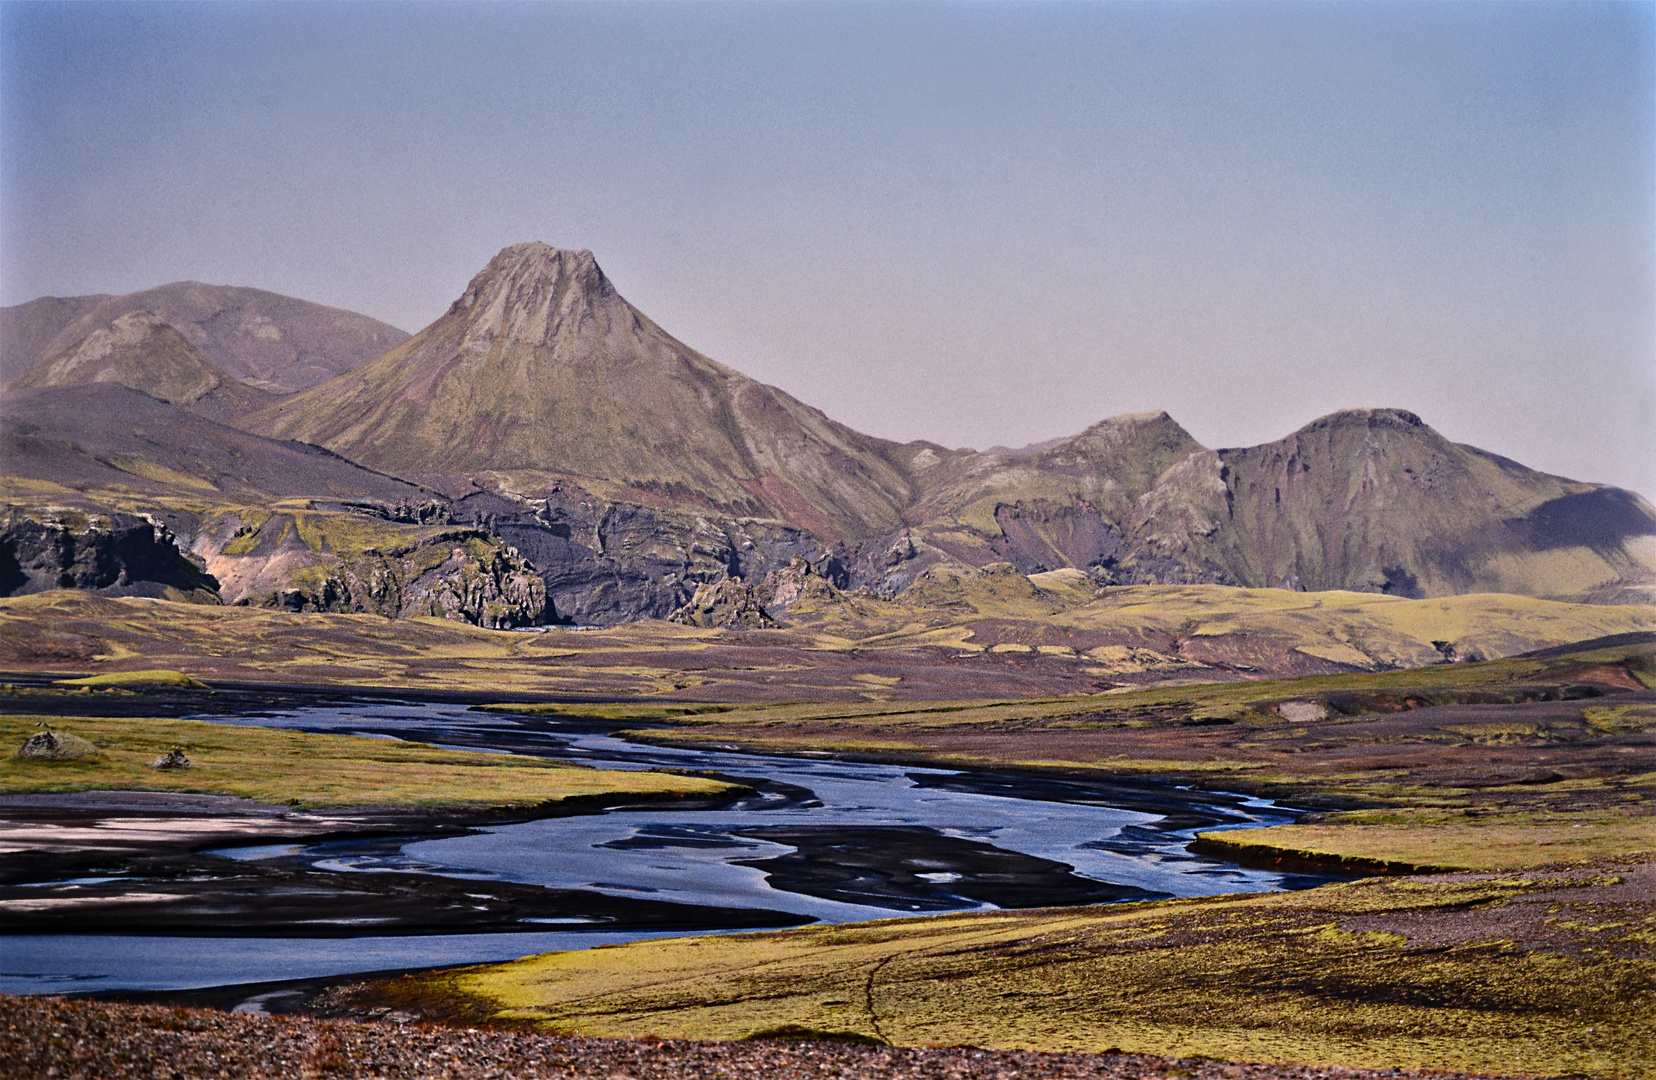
x=84 y=1040
x=883 y=866
x=149 y=845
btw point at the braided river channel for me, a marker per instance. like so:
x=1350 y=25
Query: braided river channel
x=823 y=840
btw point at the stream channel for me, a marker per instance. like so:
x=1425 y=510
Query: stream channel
x=824 y=840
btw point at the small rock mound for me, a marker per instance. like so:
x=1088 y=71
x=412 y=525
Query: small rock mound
x=800 y=584
x=172 y=759
x=729 y=604
x=52 y=745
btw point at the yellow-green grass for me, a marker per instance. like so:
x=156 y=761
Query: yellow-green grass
x=1149 y=634
x=1436 y=684
x=298 y=768
x=1500 y=841
x=643 y=710
x=154 y=677
x=1379 y=973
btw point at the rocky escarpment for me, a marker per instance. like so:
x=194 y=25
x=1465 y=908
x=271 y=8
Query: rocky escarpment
x=730 y=604
x=110 y=553
x=795 y=589
x=343 y=562
x=605 y=562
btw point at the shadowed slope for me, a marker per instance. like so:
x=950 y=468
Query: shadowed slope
x=541 y=369
x=1374 y=500
x=105 y=435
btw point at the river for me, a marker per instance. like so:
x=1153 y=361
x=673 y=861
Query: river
x=824 y=840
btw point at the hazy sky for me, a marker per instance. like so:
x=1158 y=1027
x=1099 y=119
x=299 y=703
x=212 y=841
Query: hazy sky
x=978 y=223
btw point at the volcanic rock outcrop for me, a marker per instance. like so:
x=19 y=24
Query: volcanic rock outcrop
x=114 y=554
x=729 y=604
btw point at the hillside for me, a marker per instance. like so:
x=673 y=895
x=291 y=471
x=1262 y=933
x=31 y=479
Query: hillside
x=274 y=342
x=143 y=353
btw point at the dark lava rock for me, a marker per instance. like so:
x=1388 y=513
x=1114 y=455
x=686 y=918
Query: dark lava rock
x=115 y=554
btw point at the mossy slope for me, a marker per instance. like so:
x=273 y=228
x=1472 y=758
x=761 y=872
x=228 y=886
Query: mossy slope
x=1538 y=974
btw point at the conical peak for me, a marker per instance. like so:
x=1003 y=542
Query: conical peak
x=531 y=292
x=527 y=270
x=1128 y=422
x=1133 y=430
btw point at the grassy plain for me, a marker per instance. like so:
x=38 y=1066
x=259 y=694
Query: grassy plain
x=303 y=769
x=983 y=636
x=1534 y=974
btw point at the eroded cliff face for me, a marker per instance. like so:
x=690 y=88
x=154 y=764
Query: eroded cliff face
x=357 y=562
x=113 y=554
x=605 y=563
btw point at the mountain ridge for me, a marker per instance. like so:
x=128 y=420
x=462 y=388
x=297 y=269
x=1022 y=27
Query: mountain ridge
x=274 y=342
x=142 y=352
x=633 y=470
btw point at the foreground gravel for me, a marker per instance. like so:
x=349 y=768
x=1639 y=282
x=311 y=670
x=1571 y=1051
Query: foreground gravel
x=44 y=1037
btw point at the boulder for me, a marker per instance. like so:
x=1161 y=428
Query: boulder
x=52 y=745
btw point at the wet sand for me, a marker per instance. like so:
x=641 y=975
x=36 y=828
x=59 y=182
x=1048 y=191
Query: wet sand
x=136 y=863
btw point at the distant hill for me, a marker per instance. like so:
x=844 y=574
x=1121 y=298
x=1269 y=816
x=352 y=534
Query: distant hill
x=273 y=342
x=1371 y=500
x=141 y=352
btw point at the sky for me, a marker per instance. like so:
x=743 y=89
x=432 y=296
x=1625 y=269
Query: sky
x=982 y=223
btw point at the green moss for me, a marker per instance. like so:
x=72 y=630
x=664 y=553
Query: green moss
x=137 y=679
x=316 y=770
x=1371 y=974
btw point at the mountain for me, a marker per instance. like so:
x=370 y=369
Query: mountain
x=1375 y=500
x=634 y=469
x=542 y=372
x=1370 y=500
x=274 y=342
x=140 y=351
x=568 y=431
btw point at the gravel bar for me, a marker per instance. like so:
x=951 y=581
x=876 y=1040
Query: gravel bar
x=46 y=1037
